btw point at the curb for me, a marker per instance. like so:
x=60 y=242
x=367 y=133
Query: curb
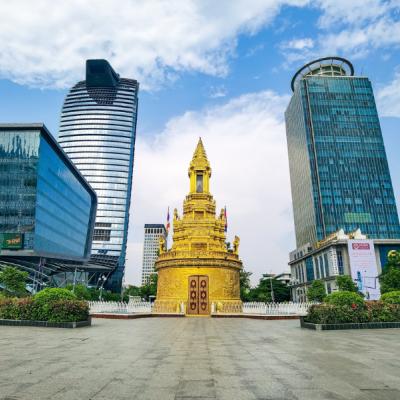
x=46 y=324
x=356 y=325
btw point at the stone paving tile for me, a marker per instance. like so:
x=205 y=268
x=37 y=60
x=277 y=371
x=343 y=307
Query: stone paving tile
x=200 y=358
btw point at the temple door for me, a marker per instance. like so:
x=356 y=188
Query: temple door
x=198 y=295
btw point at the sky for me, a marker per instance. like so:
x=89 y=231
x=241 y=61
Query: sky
x=216 y=69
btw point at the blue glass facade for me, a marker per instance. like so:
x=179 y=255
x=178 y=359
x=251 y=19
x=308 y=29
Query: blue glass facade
x=339 y=172
x=97 y=131
x=309 y=269
x=43 y=196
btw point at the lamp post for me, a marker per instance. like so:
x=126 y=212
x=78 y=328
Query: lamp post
x=101 y=280
x=272 y=288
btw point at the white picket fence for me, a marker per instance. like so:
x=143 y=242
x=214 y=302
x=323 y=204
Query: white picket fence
x=119 y=307
x=289 y=308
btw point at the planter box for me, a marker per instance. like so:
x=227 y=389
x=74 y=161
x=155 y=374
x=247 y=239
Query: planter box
x=75 y=324
x=355 y=325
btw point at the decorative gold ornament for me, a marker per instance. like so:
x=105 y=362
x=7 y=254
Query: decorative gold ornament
x=199 y=250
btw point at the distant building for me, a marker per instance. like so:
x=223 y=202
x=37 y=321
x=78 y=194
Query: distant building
x=339 y=173
x=283 y=277
x=338 y=168
x=97 y=131
x=341 y=254
x=47 y=208
x=152 y=234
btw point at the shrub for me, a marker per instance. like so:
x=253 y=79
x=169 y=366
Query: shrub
x=81 y=292
x=14 y=281
x=334 y=314
x=379 y=311
x=345 y=283
x=68 y=311
x=391 y=297
x=7 y=309
x=316 y=291
x=64 y=310
x=350 y=299
x=390 y=279
x=45 y=298
x=14 y=308
x=371 y=311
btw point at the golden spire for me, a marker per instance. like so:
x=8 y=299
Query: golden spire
x=199 y=161
x=199 y=170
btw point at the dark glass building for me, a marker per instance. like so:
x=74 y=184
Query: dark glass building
x=97 y=131
x=338 y=168
x=47 y=209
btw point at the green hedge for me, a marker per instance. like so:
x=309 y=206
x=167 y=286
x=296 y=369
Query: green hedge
x=391 y=297
x=52 y=306
x=369 y=311
x=344 y=298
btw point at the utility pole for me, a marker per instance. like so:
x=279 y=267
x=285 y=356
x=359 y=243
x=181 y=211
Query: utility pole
x=272 y=288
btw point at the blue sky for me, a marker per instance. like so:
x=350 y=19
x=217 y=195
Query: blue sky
x=221 y=70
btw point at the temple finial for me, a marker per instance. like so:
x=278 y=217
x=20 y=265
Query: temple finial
x=199 y=170
x=200 y=159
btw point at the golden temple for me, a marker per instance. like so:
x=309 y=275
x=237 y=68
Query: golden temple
x=199 y=270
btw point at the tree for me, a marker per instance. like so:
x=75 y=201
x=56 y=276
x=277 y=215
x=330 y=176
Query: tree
x=132 y=291
x=316 y=291
x=14 y=280
x=81 y=292
x=263 y=291
x=281 y=291
x=390 y=278
x=245 y=287
x=345 y=283
x=150 y=289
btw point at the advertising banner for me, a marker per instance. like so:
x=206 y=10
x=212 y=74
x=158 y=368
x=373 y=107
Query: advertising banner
x=364 y=269
x=11 y=241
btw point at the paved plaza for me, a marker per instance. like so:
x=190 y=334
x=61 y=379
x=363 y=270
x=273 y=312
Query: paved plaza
x=198 y=358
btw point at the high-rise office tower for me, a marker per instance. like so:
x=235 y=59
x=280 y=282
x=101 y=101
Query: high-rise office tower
x=151 y=245
x=97 y=131
x=338 y=168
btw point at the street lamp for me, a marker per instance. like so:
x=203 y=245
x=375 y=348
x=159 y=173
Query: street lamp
x=272 y=289
x=101 y=280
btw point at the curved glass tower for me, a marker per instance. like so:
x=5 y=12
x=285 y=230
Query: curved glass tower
x=97 y=131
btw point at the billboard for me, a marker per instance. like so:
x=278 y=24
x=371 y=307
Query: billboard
x=364 y=269
x=11 y=241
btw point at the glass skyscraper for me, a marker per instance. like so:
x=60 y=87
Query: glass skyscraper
x=47 y=209
x=338 y=168
x=97 y=131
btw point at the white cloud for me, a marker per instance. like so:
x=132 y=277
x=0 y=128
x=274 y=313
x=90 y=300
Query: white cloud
x=44 y=43
x=351 y=28
x=298 y=44
x=217 y=92
x=246 y=145
x=388 y=98
x=352 y=12
x=383 y=33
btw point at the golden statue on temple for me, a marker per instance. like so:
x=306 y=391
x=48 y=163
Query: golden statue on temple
x=199 y=270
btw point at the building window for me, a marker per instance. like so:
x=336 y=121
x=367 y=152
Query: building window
x=316 y=267
x=340 y=262
x=102 y=235
x=329 y=288
x=199 y=183
x=326 y=264
x=321 y=266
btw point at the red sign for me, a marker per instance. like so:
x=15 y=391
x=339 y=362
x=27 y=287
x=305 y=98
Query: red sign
x=360 y=246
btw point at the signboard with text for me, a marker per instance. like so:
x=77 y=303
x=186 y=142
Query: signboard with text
x=11 y=241
x=364 y=269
